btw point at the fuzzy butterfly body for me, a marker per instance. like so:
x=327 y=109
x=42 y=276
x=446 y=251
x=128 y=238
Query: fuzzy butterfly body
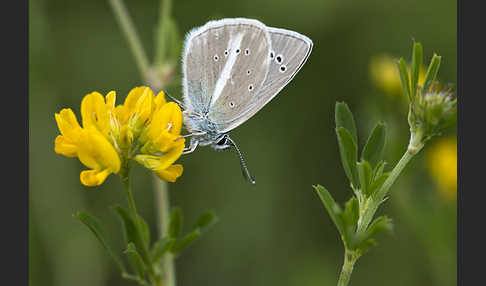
x=231 y=69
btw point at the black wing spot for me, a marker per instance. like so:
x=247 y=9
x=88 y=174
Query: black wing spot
x=283 y=68
x=248 y=72
x=279 y=59
x=237 y=51
x=216 y=58
x=250 y=87
x=272 y=54
x=247 y=52
x=231 y=104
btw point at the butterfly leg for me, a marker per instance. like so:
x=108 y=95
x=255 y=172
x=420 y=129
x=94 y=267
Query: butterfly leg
x=178 y=102
x=191 y=148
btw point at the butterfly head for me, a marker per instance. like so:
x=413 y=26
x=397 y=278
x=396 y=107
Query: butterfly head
x=223 y=142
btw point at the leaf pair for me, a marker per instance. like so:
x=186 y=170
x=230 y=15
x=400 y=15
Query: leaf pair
x=411 y=86
x=346 y=222
x=359 y=174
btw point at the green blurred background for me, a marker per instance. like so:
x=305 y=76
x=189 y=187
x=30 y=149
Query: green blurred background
x=275 y=232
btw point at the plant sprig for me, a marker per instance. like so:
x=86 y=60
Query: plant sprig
x=430 y=112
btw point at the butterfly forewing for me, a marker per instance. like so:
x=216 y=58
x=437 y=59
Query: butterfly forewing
x=216 y=62
x=288 y=53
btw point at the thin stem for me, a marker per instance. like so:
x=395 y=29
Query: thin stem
x=131 y=35
x=163 y=211
x=161 y=45
x=345 y=276
x=380 y=195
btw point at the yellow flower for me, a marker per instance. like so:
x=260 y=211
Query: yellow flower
x=384 y=74
x=111 y=135
x=442 y=164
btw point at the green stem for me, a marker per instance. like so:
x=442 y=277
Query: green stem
x=345 y=276
x=161 y=45
x=376 y=200
x=133 y=210
x=131 y=36
x=161 y=191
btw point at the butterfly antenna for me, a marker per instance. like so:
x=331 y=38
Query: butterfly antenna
x=244 y=168
x=174 y=99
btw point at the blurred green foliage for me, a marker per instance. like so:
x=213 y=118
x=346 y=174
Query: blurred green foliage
x=273 y=233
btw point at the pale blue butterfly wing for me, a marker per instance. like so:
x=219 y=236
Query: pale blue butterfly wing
x=288 y=53
x=216 y=63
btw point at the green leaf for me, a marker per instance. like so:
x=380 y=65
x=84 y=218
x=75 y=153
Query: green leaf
x=373 y=149
x=136 y=259
x=205 y=221
x=95 y=226
x=402 y=68
x=350 y=219
x=332 y=208
x=344 y=118
x=349 y=154
x=377 y=183
x=365 y=176
x=379 y=169
x=431 y=72
x=131 y=233
x=185 y=241
x=161 y=247
x=175 y=224
x=145 y=231
x=364 y=241
x=416 y=65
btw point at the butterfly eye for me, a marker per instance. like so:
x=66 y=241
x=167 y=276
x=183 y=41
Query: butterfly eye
x=279 y=59
x=222 y=142
x=247 y=52
x=283 y=68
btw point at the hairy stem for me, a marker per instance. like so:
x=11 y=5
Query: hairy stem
x=161 y=191
x=131 y=36
x=349 y=261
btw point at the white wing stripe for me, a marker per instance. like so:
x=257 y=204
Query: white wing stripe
x=234 y=44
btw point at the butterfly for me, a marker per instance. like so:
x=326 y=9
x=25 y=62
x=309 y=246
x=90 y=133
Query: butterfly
x=232 y=68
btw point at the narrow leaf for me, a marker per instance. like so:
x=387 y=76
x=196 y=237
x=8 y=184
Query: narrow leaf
x=133 y=255
x=379 y=169
x=344 y=118
x=431 y=72
x=332 y=208
x=205 y=221
x=416 y=65
x=402 y=68
x=161 y=247
x=145 y=231
x=129 y=227
x=373 y=149
x=365 y=175
x=377 y=183
x=95 y=226
x=175 y=224
x=351 y=212
x=185 y=241
x=349 y=154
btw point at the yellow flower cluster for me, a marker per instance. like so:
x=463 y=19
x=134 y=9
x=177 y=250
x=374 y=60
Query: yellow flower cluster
x=144 y=128
x=442 y=164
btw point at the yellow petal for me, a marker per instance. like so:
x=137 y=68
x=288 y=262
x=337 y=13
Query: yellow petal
x=68 y=124
x=110 y=100
x=166 y=141
x=143 y=108
x=170 y=157
x=159 y=100
x=133 y=97
x=65 y=147
x=171 y=173
x=95 y=113
x=92 y=178
x=96 y=152
x=169 y=118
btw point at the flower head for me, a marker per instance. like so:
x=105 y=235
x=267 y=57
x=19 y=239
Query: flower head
x=144 y=129
x=442 y=164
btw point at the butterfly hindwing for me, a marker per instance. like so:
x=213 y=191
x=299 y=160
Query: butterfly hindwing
x=289 y=51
